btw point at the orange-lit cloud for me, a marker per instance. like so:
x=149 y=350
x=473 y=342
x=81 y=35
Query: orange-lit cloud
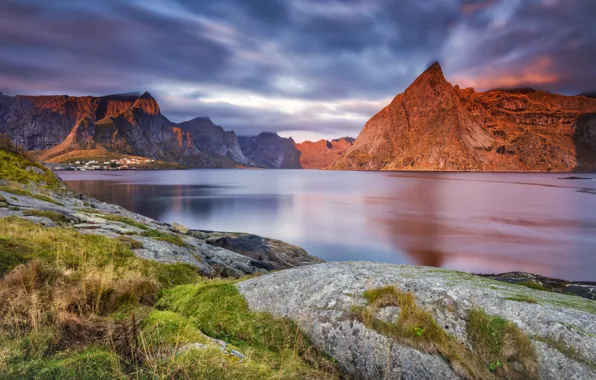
x=473 y=7
x=538 y=72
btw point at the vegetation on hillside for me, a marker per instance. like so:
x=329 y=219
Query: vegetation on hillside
x=81 y=306
x=16 y=168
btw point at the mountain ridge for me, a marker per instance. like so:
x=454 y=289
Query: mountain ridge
x=434 y=125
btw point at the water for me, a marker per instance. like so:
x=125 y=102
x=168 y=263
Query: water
x=479 y=222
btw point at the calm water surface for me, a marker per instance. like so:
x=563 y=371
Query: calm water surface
x=480 y=222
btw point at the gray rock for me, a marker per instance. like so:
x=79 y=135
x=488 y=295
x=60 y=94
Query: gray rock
x=320 y=297
x=179 y=228
x=35 y=169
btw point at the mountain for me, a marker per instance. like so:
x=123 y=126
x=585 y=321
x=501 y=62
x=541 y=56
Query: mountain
x=271 y=151
x=320 y=154
x=215 y=141
x=436 y=126
x=130 y=124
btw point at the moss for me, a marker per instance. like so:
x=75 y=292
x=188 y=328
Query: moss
x=164 y=236
x=497 y=340
x=2 y=199
x=170 y=329
x=47 y=199
x=532 y=285
x=89 y=364
x=52 y=215
x=221 y=312
x=123 y=219
x=522 y=298
x=416 y=327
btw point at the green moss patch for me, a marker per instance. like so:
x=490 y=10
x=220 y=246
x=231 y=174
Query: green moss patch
x=52 y=215
x=522 y=298
x=123 y=219
x=220 y=311
x=164 y=236
x=47 y=199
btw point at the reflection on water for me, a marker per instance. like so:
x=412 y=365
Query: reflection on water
x=470 y=221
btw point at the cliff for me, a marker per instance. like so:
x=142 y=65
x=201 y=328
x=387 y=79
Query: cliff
x=129 y=124
x=271 y=151
x=436 y=126
x=320 y=154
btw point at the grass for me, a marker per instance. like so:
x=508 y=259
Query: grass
x=14 y=168
x=123 y=219
x=134 y=244
x=52 y=215
x=16 y=191
x=164 y=236
x=569 y=352
x=532 y=285
x=497 y=340
x=45 y=198
x=81 y=306
x=522 y=298
x=220 y=311
x=417 y=328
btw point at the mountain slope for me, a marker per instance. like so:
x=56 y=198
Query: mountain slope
x=271 y=151
x=129 y=124
x=320 y=154
x=214 y=140
x=436 y=126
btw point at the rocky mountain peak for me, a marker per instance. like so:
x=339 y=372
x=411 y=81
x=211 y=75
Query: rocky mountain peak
x=148 y=104
x=432 y=77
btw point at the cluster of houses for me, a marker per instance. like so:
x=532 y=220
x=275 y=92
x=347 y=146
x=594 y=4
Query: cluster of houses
x=119 y=164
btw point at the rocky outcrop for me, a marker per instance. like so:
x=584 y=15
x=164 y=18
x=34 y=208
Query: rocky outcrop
x=436 y=126
x=322 y=153
x=151 y=239
x=324 y=300
x=271 y=151
x=275 y=252
x=130 y=124
x=215 y=141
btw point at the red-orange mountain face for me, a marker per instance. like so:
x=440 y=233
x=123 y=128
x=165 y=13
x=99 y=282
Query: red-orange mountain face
x=436 y=126
x=320 y=154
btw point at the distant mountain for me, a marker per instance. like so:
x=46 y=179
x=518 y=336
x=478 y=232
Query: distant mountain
x=436 y=126
x=123 y=123
x=271 y=151
x=215 y=141
x=320 y=154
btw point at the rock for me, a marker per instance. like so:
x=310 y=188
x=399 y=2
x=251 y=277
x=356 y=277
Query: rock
x=433 y=125
x=267 y=253
x=35 y=169
x=581 y=289
x=179 y=228
x=320 y=299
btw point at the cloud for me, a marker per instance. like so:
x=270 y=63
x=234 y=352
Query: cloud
x=318 y=66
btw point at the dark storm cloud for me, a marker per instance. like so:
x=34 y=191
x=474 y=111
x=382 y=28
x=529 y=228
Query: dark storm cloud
x=315 y=60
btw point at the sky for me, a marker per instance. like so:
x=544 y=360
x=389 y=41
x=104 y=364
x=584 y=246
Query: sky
x=308 y=69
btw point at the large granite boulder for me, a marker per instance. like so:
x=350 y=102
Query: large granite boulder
x=326 y=301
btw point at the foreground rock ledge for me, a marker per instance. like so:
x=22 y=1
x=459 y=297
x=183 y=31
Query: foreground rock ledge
x=320 y=299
